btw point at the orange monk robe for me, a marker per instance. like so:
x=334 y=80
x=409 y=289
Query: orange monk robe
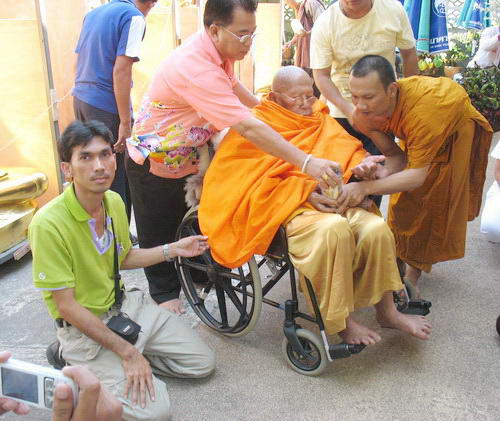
x=439 y=127
x=248 y=194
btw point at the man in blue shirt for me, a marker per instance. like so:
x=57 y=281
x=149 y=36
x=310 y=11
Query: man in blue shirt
x=109 y=45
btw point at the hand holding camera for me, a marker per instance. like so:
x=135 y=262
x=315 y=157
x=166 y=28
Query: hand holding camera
x=73 y=394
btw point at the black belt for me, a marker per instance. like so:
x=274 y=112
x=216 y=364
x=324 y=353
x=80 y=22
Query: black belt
x=62 y=323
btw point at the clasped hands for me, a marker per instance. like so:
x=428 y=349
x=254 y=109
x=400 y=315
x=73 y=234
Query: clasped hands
x=352 y=194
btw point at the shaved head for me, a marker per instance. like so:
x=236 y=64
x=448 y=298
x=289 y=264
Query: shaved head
x=289 y=76
x=292 y=88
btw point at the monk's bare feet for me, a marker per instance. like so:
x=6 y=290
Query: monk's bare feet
x=411 y=278
x=175 y=306
x=355 y=333
x=388 y=316
x=417 y=326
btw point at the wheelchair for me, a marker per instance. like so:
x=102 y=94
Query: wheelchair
x=239 y=294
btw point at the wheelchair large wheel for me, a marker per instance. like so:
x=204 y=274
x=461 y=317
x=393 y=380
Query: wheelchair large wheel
x=314 y=348
x=226 y=300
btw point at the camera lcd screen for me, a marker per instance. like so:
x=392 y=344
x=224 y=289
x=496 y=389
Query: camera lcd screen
x=19 y=385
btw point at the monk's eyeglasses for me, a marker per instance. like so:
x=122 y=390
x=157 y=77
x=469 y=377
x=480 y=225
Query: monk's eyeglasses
x=244 y=39
x=296 y=99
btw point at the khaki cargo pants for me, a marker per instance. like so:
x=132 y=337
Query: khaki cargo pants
x=171 y=347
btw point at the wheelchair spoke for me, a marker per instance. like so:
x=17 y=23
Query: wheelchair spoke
x=205 y=291
x=234 y=298
x=222 y=304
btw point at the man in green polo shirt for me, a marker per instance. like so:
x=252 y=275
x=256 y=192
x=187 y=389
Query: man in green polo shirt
x=73 y=240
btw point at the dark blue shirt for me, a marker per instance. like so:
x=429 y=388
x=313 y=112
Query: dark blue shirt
x=114 y=29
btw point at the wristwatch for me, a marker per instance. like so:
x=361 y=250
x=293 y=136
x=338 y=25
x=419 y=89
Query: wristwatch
x=166 y=253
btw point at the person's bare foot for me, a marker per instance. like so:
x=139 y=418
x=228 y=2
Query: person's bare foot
x=417 y=326
x=411 y=278
x=175 y=306
x=356 y=333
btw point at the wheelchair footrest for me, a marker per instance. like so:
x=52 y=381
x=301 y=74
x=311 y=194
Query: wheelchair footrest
x=417 y=307
x=345 y=350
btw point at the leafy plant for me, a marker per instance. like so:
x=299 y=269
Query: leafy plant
x=463 y=48
x=483 y=87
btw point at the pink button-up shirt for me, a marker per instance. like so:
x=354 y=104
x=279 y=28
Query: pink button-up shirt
x=191 y=97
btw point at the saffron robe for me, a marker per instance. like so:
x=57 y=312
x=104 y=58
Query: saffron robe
x=438 y=126
x=247 y=193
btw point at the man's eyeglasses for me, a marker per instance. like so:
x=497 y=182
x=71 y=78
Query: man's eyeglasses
x=297 y=99
x=244 y=39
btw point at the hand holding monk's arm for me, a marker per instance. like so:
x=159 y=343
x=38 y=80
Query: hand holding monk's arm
x=265 y=138
x=395 y=158
x=354 y=193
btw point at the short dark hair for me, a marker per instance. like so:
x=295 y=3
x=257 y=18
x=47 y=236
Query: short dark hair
x=374 y=63
x=221 y=11
x=81 y=133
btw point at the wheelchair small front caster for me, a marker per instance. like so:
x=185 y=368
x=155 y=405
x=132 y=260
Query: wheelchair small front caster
x=316 y=360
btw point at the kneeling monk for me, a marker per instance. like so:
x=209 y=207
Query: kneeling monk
x=247 y=194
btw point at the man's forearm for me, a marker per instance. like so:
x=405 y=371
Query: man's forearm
x=122 y=85
x=405 y=180
x=332 y=93
x=395 y=163
x=139 y=258
x=245 y=96
x=266 y=139
x=93 y=327
x=410 y=62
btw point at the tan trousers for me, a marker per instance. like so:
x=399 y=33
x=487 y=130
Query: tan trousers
x=171 y=347
x=350 y=261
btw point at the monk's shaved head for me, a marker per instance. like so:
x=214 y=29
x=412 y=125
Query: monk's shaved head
x=292 y=88
x=289 y=76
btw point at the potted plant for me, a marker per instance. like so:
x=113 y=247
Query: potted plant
x=454 y=61
x=483 y=87
x=460 y=54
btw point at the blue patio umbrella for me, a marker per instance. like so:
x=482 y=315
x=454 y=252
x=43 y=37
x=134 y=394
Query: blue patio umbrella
x=475 y=15
x=428 y=21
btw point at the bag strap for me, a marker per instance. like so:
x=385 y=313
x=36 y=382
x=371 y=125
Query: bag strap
x=116 y=272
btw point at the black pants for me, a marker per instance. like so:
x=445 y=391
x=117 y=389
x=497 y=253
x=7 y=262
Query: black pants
x=159 y=207
x=85 y=112
x=367 y=144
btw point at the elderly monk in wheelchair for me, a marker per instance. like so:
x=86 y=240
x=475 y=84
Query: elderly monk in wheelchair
x=247 y=194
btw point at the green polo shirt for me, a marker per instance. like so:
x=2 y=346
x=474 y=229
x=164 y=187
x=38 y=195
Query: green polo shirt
x=68 y=254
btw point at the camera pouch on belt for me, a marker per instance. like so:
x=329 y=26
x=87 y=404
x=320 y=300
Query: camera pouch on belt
x=121 y=324
x=124 y=327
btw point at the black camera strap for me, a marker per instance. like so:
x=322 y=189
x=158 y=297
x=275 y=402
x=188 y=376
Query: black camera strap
x=116 y=272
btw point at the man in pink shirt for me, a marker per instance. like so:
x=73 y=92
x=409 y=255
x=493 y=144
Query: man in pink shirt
x=193 y=95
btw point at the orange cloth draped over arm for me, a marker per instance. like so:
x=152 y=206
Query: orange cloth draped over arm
x=248 y=194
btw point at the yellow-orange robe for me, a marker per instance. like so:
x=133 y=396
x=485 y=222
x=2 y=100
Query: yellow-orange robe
x=439 y=127
x=248 y=194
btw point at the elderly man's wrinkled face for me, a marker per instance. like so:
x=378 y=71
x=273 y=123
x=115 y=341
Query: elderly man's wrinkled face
x=297 y=96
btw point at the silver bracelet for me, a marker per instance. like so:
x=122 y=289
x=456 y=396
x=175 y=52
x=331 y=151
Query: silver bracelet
x=166 y=253
x=306 y=161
